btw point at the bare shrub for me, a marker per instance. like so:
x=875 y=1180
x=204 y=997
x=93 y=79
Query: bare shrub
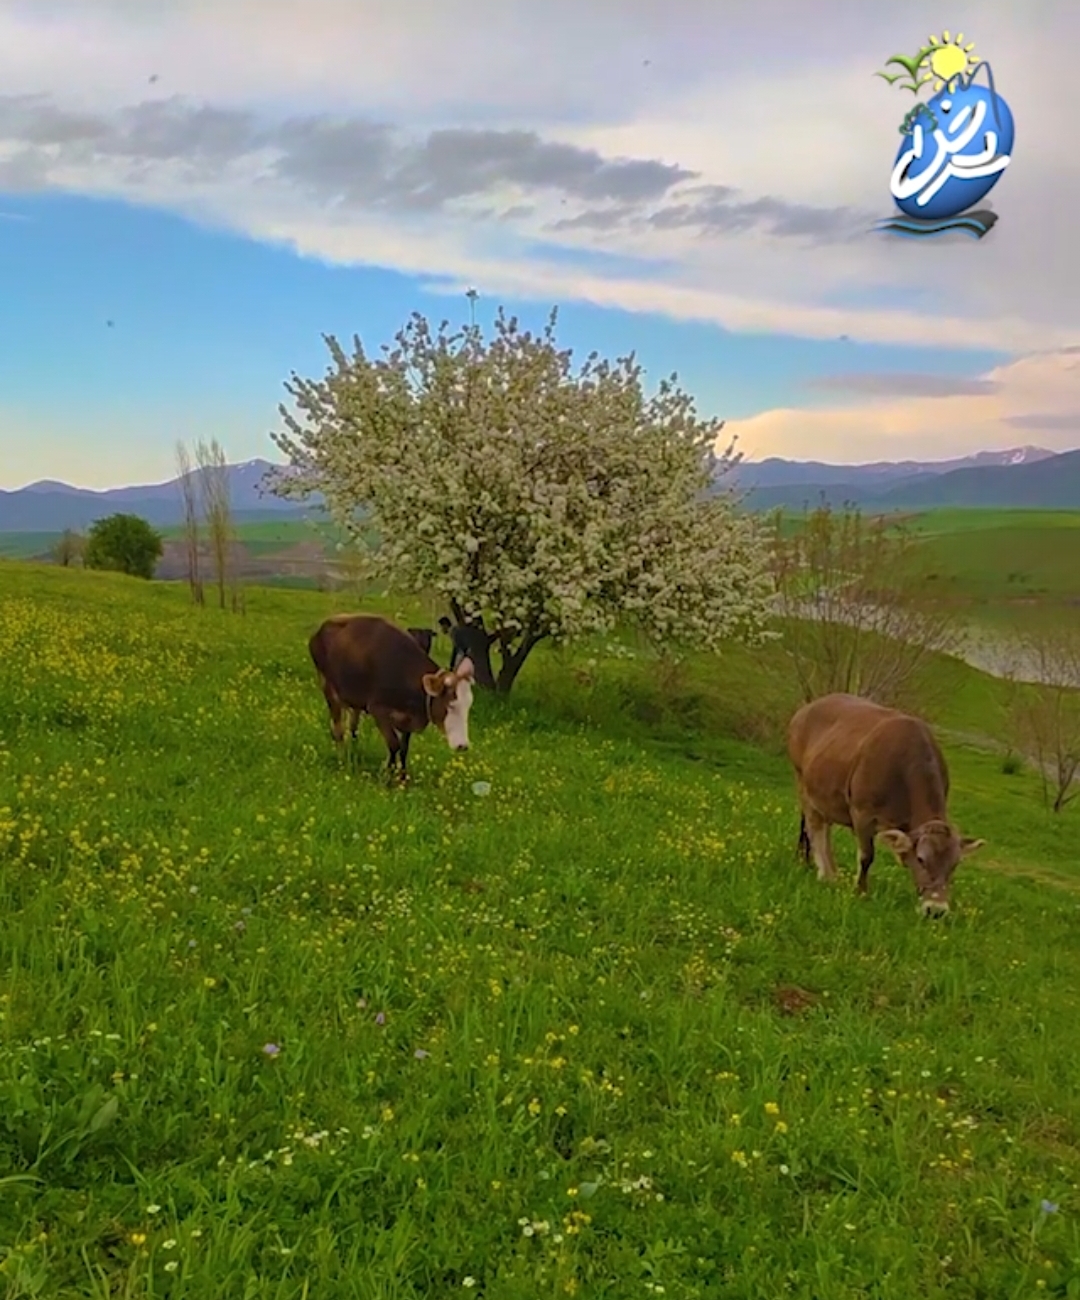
x=857 y=606
x=1044 y=692
x=69 y=548
x=217 y=512
x=189 y=497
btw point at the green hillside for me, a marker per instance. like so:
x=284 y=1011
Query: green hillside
x=24 y=546
x=272 y=1028
x=998 y=557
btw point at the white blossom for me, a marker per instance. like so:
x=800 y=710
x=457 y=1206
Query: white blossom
x=547 y=502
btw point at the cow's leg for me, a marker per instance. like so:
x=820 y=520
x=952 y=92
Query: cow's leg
x=804 y=841
x=393 y=742
x=864 y=833
x=355 y=721
x=804 y=849
x=333 y=703
x=819 y=832
x=406 y=738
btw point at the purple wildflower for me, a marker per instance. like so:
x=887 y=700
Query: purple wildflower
x=271 y=1049
x=1049 y=1207
x=420 y=1054
x=380 y=1019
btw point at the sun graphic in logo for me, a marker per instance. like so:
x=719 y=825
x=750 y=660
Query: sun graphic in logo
x=948 y=57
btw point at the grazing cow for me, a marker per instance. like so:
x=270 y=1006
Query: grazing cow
x=879 y=772
x=369 y=665
x=423 y=636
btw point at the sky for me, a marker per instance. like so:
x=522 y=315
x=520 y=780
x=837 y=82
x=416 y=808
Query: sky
x=193 y=192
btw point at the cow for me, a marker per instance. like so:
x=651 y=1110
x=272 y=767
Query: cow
x=367 y=664
x=423 y=636
x=468 y=641
x=879 y=772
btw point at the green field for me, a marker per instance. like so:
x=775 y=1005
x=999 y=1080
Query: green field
x=271 y=1028
x=266 y=537
x=1001 y=558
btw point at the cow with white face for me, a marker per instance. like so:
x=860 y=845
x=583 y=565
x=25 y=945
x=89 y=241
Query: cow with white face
x=369 y=665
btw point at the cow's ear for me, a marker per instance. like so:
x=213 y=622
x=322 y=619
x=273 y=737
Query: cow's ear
x=433 y=683
x=465 y=670
x=897 y=841
x=968 y=845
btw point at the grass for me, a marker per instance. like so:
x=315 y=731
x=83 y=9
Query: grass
x=269 y=536
x=1011 y=557
x=271 y=1028
x=933 y=523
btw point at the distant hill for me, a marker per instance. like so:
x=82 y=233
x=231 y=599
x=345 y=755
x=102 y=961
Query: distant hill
x=1049 y=484
x=776 y=473
x=1041 y=481
x=50 y=507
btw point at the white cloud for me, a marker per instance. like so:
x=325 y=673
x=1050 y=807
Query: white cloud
x=775 y=101
x=1033 y=400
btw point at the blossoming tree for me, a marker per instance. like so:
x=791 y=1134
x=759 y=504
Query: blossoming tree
x=538 y=501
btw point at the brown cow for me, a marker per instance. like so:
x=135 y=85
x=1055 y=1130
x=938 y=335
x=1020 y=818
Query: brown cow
x=423 y=636
x=879 y=772
x=368 y=665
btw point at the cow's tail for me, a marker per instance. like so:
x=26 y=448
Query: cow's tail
x=804 y=840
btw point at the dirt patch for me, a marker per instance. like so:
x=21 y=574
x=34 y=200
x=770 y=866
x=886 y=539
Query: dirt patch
x=790 y=1000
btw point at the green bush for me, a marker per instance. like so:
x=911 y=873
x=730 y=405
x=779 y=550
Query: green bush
x=124 y=543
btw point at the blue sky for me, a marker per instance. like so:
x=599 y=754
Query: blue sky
x=170 y=224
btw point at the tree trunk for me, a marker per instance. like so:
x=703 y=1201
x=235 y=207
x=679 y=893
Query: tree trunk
x=477 y=642
x=477 y=646
x=474 y=638
x=513 y=661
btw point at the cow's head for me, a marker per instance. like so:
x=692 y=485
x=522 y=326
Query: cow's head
x=450 y=699
x=931 y=853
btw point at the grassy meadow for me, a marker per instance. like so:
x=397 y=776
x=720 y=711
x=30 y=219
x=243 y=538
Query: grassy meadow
x=271 y=1028
x=1006 y=566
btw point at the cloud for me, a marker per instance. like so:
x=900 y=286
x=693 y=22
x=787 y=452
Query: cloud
x=746 y=157
x=363 y=163
x=1048 y=421
x=904 y=385
x=367 y=164
x=1040 y=393
x=720 y=209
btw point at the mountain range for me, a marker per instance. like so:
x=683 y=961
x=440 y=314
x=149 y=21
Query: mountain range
x=1019 y=478
x=1022 y=477
x=49 y=506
